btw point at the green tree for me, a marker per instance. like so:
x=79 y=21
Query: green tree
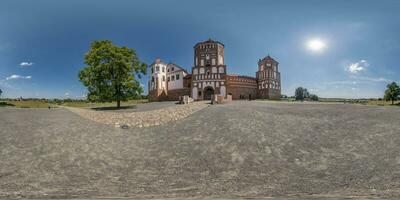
x=314 y=97
x=110 y=73
x=299 y=93
x=1 y=92
x=392 y=92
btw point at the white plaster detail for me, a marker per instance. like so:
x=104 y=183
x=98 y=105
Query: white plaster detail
x=194 y=93
x=222 y=91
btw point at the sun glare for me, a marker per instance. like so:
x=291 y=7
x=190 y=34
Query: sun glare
x=316 y=45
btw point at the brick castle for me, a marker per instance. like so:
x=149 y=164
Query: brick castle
x=209 y=76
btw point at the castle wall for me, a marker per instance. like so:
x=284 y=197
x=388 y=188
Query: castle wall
x=241 y=87
x=173 y=95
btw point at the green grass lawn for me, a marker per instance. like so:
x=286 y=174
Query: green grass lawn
x=26 y=104
x=383 y=103
x=81 y=104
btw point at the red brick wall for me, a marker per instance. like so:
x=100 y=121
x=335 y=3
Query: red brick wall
x=240 y=87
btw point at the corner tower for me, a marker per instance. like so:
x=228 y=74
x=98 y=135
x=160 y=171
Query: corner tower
x=268 y=79
x=209 y=70
x=157 y=85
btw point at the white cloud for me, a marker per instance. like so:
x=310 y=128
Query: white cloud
x=26 y=64
x=357 y=66
x=371 y=79
x=15 y=76
x=66 y=94
x=340 y=83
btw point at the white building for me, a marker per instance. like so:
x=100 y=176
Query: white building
x=167 y=81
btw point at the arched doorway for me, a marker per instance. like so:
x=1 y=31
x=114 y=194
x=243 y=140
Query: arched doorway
x=208 y=91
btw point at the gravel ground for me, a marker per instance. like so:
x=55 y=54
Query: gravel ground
x=148 y=117
x=241 y=150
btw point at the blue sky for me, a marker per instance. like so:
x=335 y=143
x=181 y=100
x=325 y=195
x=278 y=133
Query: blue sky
x=43 y=42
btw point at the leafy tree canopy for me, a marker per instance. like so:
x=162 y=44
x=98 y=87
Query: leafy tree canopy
x=110 y=73
x=302 y=93
x=392 y=92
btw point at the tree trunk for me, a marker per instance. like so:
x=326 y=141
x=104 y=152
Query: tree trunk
x=392 y=101
x=118 y=103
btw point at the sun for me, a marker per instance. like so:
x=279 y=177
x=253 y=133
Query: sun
x=316 y=45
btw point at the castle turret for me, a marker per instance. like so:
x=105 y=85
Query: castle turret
x=157 y=80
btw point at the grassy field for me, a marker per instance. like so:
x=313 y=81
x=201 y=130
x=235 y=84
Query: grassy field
x=383 y=103
x=26 y=104
x=81 y=104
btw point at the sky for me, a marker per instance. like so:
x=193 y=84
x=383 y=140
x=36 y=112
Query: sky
x=341 y=48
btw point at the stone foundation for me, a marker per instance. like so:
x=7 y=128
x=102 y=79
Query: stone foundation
x=173 y=95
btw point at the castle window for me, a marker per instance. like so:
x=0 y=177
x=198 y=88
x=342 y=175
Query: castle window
x=208 y=72
x=163 y=77
x=207 y=56
x=177 y=77
x=172 y=69
x=157 y=68
x=168 y=78
x=152 y=70
x=172 y=78
x=199 y=93
x=163 y=69
x=152 y=79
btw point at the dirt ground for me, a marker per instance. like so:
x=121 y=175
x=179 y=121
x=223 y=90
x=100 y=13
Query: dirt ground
x=257 y=149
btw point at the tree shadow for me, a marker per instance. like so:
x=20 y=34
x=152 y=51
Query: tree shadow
x=105 y=108
x=4 y=104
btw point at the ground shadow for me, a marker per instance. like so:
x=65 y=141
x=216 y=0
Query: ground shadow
x=114 y=108
x=4 y=104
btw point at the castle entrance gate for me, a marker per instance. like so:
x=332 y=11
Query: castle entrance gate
x=208 y=91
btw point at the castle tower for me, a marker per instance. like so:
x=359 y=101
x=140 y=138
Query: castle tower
x=268 y=79
x=157 y=86
x=209 y=70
